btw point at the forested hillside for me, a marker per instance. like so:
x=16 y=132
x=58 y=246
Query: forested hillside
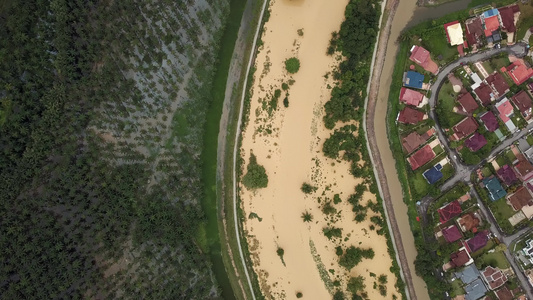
x=102 y=110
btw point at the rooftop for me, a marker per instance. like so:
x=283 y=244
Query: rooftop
x=498 y=83
x=465 y=128
x=523 y=168
x=519 y=72
x=451 y=234
x=491 y=24
x=412 y=141
x=504 y=294
x=469 y=222
x=490 y=121
x=507 y=175
x=433 y=175
x=468 y=274
x=475 y=142
x=467 y=102
x=478 y=241
x=459 y=258
x=494 y=277
x=493 y=185
x=505 y=109
x=451 y=210
x=410 y=115
x=474 y=30
x=422 y=57
x=522 y=101
x=413 y=79
x=411 y=97
x=483 y=92
x=507 y=16
x=520 y=198
x=475 y=290
x=454 y=33
x=421 y=157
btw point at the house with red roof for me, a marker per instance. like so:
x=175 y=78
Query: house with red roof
x=467 y=102
x=523 y=168
x=475 y=142
x=520 y=198
x=449 y=211
x=477 y=242
x=490 y=121
x=474 y=31
x=519 y=72
x=507 y=175
x=505 y=109
x=464 y=128
x=469 y=222
x=412 y=141
x=451 y=234
x=494 y=277
x=411 y=116
x=460 y=258
x=507 y=14
x=411 y=97
x=421 y=157
x=505 y=112
x=491 y=24
x=523 y=103
x=498 y=84
x=422 y=58
x=484 y=93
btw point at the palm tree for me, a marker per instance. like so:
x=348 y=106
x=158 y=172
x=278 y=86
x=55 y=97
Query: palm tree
x=307 y=217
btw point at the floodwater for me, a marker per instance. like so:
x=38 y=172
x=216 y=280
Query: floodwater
x=407 y=15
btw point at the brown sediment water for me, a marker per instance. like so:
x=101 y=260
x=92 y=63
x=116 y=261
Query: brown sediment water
x=287 y=141
x=403 y=15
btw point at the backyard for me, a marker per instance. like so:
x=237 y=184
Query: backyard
x=495 y=259
x=446 y=104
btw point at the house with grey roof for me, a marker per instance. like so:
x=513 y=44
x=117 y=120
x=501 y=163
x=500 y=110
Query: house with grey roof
x=468 y=274
x=475 y=290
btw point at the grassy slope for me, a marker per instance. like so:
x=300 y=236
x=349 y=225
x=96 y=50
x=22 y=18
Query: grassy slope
x=209 y=154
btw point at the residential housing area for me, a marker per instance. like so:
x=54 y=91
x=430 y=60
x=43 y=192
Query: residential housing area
x=465 y=127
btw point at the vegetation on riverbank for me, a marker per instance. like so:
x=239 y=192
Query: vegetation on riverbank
x=355 y=41
x=230 y=252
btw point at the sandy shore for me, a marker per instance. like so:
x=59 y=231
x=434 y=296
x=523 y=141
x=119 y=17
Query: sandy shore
x=288 y=144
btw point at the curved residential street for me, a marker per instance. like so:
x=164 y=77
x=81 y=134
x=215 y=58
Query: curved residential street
x=463 y=171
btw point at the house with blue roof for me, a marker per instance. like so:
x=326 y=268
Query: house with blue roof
x=491 y=13
x=413 y=79
x=433 y=174
x=493 y=185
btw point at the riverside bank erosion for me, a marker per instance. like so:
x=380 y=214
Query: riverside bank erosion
x=287 y=141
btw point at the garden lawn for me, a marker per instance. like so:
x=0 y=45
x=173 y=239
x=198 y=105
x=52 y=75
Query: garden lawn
x=446 y=103
x=529 y=140
x=510 y=155
x=457 y=289
x=526 y=20
x=502 y=211
x=497 y=258
x=490 y=244
x=434 y=40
